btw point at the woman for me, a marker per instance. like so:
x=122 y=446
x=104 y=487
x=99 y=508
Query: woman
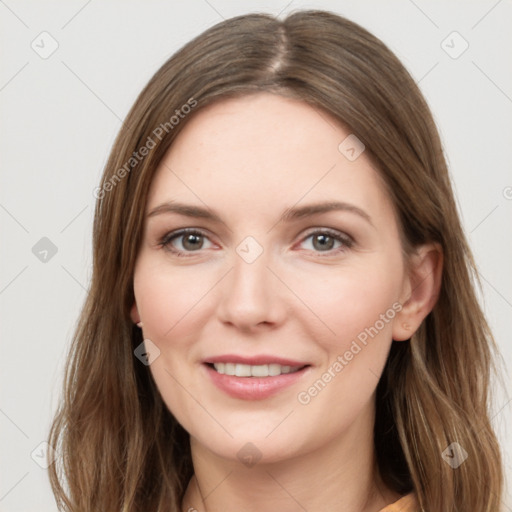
x=281 y=311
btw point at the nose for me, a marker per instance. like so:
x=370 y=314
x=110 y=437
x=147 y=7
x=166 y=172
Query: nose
x=251 y=296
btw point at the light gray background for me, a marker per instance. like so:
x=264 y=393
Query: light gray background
x=59 y=119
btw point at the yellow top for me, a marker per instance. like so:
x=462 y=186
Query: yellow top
x=406 y=504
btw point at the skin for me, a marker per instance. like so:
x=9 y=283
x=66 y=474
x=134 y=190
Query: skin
x=248 y=160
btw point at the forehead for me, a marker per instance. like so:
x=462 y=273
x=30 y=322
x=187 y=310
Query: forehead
x=263 y=151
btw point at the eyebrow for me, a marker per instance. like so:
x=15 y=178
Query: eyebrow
x=290 y=214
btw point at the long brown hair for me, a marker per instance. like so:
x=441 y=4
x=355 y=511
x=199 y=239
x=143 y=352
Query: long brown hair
x=121 y=449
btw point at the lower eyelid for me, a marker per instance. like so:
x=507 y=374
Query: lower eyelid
x=345 y=246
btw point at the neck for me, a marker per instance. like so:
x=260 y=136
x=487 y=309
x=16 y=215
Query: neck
x=341 y=475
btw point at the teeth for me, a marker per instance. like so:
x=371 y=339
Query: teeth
x=247 y=370
x=274 y=369
x=242 y=370
x=260 y=370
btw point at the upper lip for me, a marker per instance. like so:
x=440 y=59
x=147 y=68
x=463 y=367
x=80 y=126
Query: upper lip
x=254 y=360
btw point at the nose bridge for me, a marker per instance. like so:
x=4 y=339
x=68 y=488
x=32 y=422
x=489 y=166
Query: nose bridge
x=249 y=296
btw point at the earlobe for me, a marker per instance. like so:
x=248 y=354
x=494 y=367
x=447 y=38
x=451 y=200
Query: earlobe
x=423 y=285
x=134 y=314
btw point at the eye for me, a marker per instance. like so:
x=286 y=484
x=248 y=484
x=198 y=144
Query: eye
x=185 y=241
x=327 y=241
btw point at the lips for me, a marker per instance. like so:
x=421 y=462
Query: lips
x=254 y=378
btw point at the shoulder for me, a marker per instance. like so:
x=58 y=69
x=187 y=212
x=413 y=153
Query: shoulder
x=405 y=504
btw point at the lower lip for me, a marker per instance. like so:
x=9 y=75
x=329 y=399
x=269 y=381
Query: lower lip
x=254 y=388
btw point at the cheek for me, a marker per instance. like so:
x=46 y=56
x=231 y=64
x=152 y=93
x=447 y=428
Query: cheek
x=359 y=306
x=348 y=303
x=168 y=298
x=169 y=301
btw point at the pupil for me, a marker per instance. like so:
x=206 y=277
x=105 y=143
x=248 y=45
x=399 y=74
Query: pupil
x=191 y=242
x=325 y=241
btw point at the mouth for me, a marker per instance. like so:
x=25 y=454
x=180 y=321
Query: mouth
x=254 y=378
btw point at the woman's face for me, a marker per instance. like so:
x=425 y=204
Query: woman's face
x=293 y=267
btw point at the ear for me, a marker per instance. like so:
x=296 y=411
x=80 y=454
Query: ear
x=421 y=290
x=134 y=314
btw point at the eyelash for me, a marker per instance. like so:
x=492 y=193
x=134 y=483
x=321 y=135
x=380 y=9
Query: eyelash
x=165 y=241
